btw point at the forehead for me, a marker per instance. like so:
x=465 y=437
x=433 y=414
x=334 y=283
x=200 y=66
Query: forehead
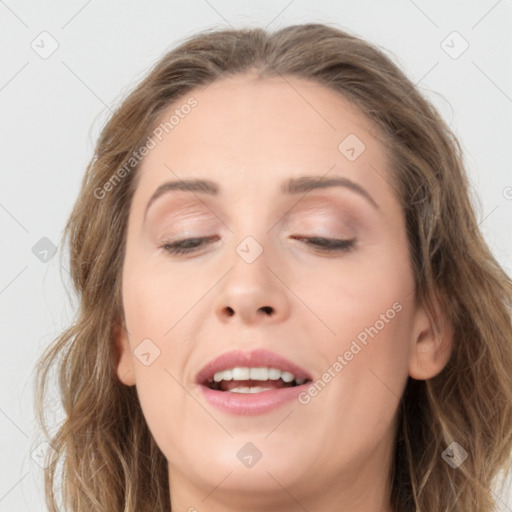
x=249 y=133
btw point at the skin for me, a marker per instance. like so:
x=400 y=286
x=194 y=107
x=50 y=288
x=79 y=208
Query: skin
x=334 y=453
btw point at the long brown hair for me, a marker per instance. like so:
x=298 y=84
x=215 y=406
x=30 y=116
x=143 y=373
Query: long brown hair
x=109 y=460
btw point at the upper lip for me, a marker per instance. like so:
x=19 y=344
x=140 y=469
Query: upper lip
x=253 y=359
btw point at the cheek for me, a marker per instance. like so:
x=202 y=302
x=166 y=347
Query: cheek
x=359 y=391
x=157 y=359
x=156 y=296
x=166 y=407
x=155 y=310
x=371 y=347
x=363 y=291
x=369 y=302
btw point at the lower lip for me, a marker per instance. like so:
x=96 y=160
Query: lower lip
x=247 y=404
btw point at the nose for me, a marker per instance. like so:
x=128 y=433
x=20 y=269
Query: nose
x=253 y=292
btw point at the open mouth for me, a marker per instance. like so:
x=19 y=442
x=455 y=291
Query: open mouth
x=253 y=380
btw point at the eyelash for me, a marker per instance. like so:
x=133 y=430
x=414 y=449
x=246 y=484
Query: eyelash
x=328 y=245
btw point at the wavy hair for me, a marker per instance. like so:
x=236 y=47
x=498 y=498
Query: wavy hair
x=108 y=458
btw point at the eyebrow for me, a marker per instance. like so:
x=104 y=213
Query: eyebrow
x=291 y=186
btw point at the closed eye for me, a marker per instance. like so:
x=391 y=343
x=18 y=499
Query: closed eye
x=190 y=245
x=330 y=244
x=184 y=246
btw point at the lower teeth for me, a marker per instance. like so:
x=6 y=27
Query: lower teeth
x=254 y=389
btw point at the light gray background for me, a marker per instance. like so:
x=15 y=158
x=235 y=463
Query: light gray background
x=53 y=109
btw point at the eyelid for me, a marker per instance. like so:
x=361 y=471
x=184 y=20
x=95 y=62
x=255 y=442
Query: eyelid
x=324 y=245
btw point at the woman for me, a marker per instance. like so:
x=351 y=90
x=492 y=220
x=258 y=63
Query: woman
x=285 y=300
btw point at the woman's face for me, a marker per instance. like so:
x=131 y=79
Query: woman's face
x=256 y=280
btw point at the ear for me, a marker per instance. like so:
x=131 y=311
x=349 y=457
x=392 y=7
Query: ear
x=431 y=343
x=124 y=365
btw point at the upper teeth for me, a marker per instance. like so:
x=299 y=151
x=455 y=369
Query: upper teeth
x=239 y=373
